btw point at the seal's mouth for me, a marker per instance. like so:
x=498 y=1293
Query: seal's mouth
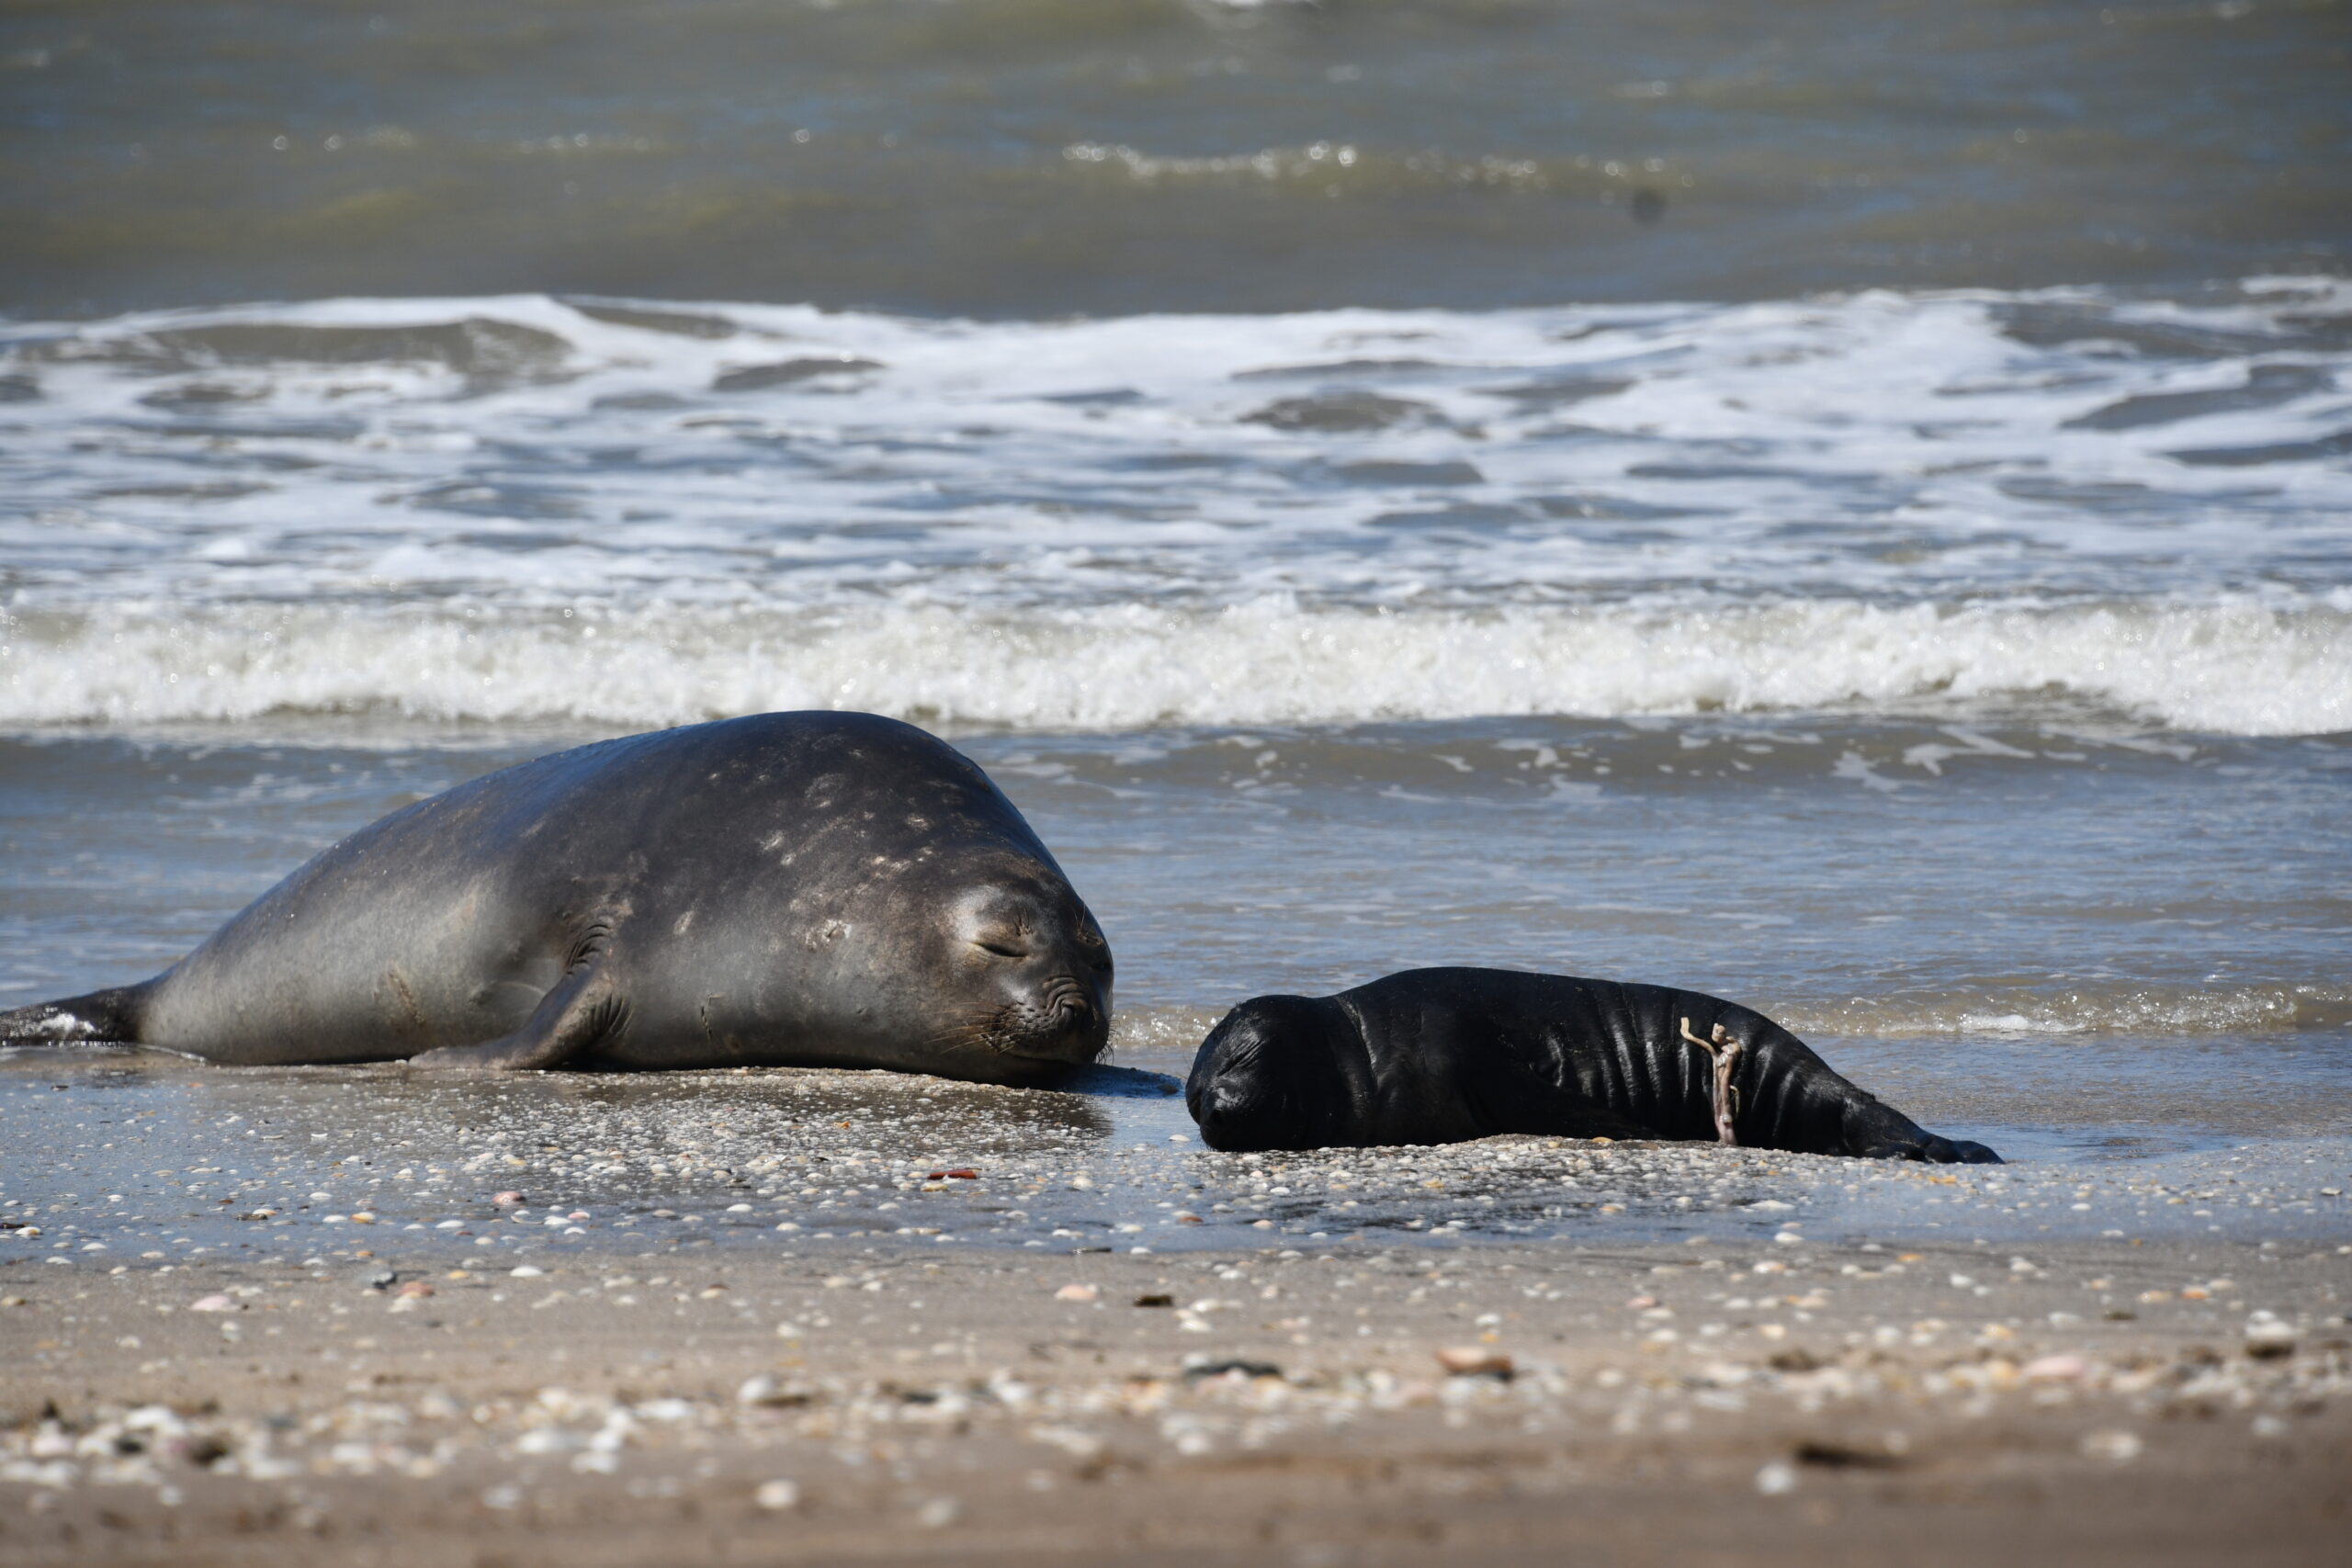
x=1265 y=1080
x=1236 y=1116
x=1060 y=1021
x=1238 y=1102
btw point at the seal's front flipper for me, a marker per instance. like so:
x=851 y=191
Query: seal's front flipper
x=584 y=1008
x=1955 y=1151
x=1877 y=1131
x=1929 y=1149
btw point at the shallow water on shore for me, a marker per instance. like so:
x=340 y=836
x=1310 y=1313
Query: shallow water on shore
x=2065 y=882
x=2113 y=954
x=1964 y=678
x=154 y=1161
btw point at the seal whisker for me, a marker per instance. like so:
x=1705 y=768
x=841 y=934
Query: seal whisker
x=962 y=1038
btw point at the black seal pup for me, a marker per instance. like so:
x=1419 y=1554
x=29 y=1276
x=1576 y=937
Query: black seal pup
x=1445 y=1055
x=820 y=889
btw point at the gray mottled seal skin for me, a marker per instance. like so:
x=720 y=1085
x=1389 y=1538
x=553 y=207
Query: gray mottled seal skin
x=786 y=890
x=1445 y=1055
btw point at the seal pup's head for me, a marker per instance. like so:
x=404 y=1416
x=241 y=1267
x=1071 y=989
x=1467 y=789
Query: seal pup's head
x=1037 y=964
x=1270 y=1076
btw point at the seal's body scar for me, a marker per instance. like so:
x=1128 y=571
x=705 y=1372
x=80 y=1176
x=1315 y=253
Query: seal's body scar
x=1723 y=1051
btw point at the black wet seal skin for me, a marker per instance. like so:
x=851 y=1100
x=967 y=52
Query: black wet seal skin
x=1453 y=1055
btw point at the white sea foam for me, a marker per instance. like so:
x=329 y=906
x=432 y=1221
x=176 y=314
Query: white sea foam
x=1880 y=501
x=2232 y=669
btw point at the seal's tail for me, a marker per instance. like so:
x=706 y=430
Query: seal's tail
x=102 y=1016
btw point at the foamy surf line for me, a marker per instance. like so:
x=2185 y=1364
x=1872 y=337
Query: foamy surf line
x=2225 y=668
x=533 y=453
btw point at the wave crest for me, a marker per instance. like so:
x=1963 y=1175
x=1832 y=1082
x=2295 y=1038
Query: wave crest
x=2225 y=668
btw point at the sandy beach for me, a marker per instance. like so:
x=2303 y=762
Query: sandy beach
x=969 y=1408
x=1289 y=1367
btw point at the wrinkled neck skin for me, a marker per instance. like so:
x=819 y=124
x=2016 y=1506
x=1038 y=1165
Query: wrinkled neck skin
x=1444 y=1055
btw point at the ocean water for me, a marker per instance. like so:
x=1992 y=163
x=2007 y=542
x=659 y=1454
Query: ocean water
x=1963 y=677
x=1896 y=573
x=1034 y=158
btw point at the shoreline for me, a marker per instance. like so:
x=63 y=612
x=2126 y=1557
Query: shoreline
x=804 y=1316
x=169 y=1159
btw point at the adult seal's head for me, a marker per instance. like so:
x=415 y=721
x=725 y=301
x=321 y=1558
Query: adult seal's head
x=787 y=889
x=1009 y=974
x=1444 y=1055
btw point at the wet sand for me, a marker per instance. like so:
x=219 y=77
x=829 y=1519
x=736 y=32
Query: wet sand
x=1667 y=1350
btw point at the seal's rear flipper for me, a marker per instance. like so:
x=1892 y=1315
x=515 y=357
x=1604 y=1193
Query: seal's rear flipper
x=108 y=1017
x=584 y=1008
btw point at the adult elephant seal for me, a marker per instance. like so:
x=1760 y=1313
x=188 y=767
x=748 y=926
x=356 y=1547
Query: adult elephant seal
x=1445 y=1055
x=808 y=889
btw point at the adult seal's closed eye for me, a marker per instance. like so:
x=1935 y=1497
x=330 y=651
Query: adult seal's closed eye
x=1445 y=1055
x=786 y=890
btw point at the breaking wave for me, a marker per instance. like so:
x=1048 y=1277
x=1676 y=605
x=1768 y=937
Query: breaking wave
x=2232 y=668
